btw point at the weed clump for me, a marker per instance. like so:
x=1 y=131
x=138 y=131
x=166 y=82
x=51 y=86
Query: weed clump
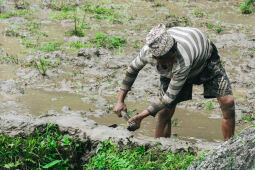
x=247 y=7
x=49 y=46
x=215 y=27
x=198 y=13
x=111 y=157
x=173 y=20
x=14 y=13
x=108 y=42
x=46 y=149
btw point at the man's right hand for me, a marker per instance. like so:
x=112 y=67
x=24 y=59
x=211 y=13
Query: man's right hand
x=119 y=107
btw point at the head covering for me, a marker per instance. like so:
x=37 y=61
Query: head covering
x=159 y=40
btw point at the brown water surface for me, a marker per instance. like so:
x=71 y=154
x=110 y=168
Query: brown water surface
x=8 y=71
x=40 y=101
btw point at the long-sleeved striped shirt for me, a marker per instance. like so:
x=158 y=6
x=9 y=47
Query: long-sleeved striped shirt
x=193 y=49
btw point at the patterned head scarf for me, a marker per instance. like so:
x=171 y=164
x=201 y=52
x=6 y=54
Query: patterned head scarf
x=159 y=40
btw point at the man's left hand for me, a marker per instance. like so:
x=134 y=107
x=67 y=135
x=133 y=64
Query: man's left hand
x=138 y=118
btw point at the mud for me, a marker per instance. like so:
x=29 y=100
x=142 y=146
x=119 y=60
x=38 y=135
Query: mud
x=77 y=125
x=88 y=79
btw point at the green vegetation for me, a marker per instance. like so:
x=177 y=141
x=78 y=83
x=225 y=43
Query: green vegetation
x=11 y=32
x=78 y=29
x=198 y=13
x=79 y=44
x=247 y=7
x=14 y=13
x=10 y=59
x=100 y=12
x=61 y=6
x=28 y=43
x=108 y=42
x=249 y=118
x=48 y=148
x=96 y=9
x=158 y=4
x=42 y=65
x=45 y=149
x=208 y=105
x=215 y=27
x=111 y=157
x=33 y=27
x=175 y=20
x=49 y=46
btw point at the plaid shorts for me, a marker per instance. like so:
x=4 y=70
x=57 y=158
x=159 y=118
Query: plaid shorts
x=213 y=77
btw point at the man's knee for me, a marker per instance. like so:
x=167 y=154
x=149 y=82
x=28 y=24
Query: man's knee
x=228 y=106
x=166 y=114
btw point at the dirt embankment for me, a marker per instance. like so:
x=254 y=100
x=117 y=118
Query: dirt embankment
x=75 y=124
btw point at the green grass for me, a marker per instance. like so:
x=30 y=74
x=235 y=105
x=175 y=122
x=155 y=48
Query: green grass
x=198 y=13
x=158 y=4
x=101 y=12
x=49 y=46
x=61 y=15
x=208 y=105
x=10 y=59
x=215 y=27
x=33 y=27
x=29 y=43
x=111 y=157
x=249 y=118
x=79 y=44
x=61 y=6
x=103 y=40
x=42 y=64
x=247 y=7
x=14 y=13
x=48 y=148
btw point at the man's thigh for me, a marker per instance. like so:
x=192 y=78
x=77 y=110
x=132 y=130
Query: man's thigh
x=217 y=87
x=216 y=82
x=183 y=95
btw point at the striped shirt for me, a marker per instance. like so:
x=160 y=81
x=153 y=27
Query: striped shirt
x=193 y=49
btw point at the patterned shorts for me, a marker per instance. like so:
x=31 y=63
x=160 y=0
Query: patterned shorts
x=213 y=78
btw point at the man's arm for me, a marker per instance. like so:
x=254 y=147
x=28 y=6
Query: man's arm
x=179 y=78
x=136 y=65
x=175 y=86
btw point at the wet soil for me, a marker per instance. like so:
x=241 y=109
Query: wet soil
x=88 y=79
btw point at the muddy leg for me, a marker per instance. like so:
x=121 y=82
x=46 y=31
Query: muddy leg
x=163 y=127
x=227 y=106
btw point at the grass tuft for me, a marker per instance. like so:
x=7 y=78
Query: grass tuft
x=45 y=149
x=111 y=157
x=14 y=13
x=108 y=42
x=49 y=46
x=247 y=7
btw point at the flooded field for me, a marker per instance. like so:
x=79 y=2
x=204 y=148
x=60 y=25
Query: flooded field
x=51 y=58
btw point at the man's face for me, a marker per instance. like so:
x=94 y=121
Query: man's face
x=167 y=61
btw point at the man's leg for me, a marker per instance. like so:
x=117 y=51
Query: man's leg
x=227 y=106
x=163 y=127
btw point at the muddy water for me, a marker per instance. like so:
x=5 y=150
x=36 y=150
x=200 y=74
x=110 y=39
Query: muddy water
x=186 y=124
x=11 y=45
x=8 y=71
x=40 y=101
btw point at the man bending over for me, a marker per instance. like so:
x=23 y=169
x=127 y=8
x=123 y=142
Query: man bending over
x=183 y=56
